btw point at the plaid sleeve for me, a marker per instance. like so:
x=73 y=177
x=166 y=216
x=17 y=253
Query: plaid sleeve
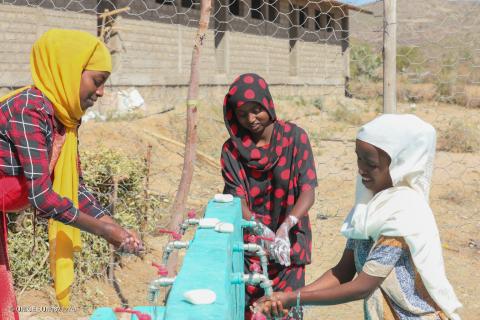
x=88 y=204
x=384 y=256
x=27 y=130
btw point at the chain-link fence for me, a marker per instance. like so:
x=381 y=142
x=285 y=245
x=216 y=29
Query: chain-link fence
x=323 y=61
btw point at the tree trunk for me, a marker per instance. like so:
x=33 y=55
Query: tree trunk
x=178 y=207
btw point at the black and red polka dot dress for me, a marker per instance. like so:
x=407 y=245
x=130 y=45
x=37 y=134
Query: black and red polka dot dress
x=270 y=178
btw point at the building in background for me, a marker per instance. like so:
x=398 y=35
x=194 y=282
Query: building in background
x=289 y=43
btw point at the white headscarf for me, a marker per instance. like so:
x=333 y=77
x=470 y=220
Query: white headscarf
x=403 y=210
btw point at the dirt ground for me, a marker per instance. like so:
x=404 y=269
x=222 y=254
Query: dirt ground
x=455 y=192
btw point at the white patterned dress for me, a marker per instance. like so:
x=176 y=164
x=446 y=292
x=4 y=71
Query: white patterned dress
x=402 y=295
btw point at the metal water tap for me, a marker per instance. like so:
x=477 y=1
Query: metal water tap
x=156 y=284
x=172 y=245
x=190 y=221
x=253 y=225
x=162 y=269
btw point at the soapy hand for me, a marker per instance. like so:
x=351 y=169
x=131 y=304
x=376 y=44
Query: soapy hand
x=280 y=249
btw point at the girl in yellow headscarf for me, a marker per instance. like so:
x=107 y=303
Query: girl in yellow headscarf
x=39 y=158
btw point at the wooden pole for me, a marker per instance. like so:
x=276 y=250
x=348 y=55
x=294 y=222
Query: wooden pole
x=108 y=13
x=178 y=207
x=146 y=195
x=389 y=56
x=102 y=27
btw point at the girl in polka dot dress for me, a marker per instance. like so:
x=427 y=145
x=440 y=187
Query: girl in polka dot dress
x=268 y=163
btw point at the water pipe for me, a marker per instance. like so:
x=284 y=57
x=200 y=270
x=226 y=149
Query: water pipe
x=254 y=279
x=255 y=249
x=249 y=224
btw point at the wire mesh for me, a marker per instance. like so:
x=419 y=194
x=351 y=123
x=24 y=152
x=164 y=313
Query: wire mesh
x=323 y=61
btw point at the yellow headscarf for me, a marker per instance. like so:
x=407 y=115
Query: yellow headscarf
x=57 y=61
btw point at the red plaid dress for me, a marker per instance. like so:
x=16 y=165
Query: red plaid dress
x=30 y=141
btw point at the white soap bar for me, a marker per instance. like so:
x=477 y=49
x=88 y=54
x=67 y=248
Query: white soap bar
x=208 y=223
x=224 y=227
x=200 y=296
x=220 y=197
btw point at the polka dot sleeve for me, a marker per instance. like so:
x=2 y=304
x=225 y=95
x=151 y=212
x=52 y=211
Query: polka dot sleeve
x=305 y=162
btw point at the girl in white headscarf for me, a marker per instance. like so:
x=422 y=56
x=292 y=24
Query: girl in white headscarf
x=393 y=241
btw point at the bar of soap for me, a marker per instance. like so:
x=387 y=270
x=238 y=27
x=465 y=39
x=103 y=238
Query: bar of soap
x=200 y=296
x=208 y=223
x=220 y=197
x=224 y=227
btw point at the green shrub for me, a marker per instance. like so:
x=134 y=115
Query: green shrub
x=319 y=103
x=409 y=59
x=365 y=62
x=445 y=81
x=348 y=114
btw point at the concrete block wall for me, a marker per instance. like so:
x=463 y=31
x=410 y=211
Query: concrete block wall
x=159 y=54
x=321 y=64
x=151 y=53
x=21 y=26
x=278 y=66
x=247 y=53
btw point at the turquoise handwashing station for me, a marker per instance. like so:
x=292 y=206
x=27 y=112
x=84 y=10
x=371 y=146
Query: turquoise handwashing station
x=211 y=281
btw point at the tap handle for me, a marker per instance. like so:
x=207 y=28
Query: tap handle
x=175 y=235
x=162 y=270
x=191 y=214
x=255 y=267
x=265 y=238
x=258 y=316
x=140 y=316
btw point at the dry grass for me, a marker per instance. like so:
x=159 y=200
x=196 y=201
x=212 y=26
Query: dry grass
x=418 y=92
x=460 y=137
x=469 y=97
